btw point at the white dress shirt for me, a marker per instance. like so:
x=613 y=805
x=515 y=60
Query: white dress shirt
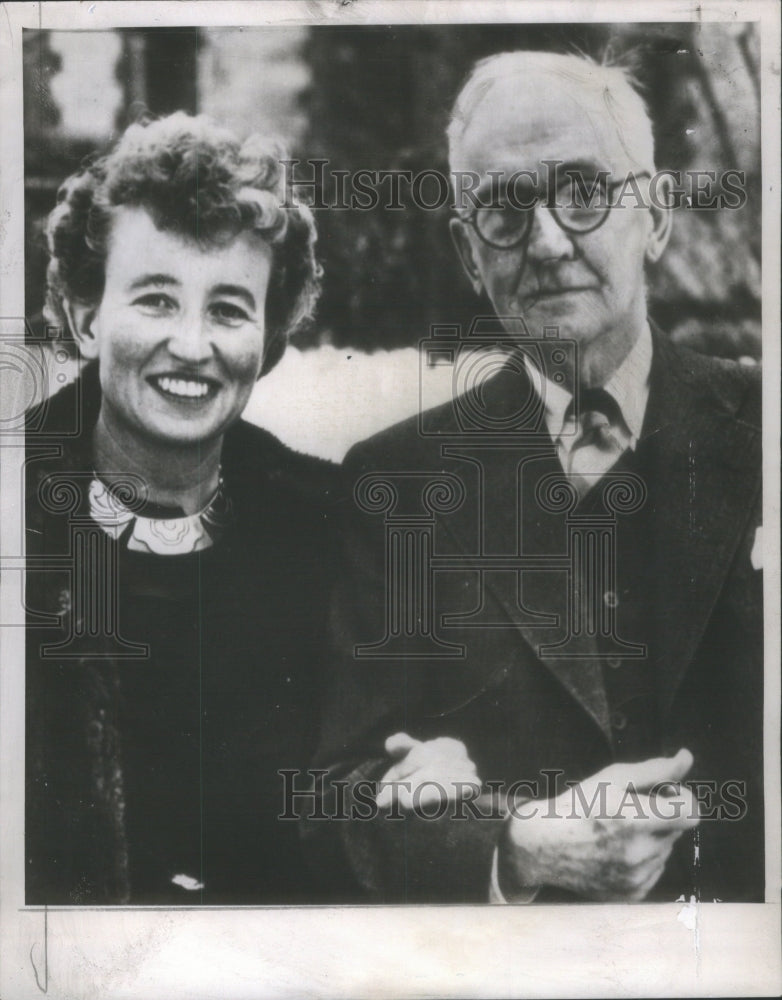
x=629 y=386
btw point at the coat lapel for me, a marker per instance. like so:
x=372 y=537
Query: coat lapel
x=532 y=604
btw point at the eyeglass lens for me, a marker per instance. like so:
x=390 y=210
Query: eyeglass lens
x=577 y=206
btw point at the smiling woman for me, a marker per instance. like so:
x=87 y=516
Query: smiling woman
x=173 y=657
x=179 y=337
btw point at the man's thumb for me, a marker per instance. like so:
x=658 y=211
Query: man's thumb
x=656 y=770
x=400 y=744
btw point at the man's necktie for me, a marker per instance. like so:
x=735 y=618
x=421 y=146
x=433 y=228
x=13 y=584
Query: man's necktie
x=597 y=445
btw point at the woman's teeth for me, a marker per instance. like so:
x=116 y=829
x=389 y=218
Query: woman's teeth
x=183 y=387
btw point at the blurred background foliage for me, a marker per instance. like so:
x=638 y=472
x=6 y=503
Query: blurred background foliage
x=378 y=98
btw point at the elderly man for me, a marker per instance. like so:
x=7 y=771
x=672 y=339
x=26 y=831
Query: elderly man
x=585 y=611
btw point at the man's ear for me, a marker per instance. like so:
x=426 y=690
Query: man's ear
x=662 y=219
x=464 y=248
x=81 y=319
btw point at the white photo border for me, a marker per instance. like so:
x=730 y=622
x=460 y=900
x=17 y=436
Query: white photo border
x=430 y=951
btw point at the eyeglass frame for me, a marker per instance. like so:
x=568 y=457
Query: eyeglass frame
x=470 y=219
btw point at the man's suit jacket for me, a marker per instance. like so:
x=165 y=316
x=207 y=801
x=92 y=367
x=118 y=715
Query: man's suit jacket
x=476 y=663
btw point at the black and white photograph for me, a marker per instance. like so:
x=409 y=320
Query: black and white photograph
x=390 y=550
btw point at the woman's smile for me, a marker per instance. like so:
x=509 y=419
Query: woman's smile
x=179 y=333
x=182 y=388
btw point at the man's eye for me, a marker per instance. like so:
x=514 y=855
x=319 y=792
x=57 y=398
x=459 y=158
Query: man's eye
x=229 y=313
x=155 y=303
x=503 y=220
x=581 y=193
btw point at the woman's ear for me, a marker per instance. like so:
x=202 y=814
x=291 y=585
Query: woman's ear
x=662 y=219
x=464 y=248
x=82 y=321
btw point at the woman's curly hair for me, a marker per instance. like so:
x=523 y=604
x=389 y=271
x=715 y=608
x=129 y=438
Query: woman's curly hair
x=197 y=180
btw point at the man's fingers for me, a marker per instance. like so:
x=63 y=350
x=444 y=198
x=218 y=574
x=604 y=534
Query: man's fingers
x=436 y=789
x=645 y=774
x=650 y=881
x=448 y=754
x=413 y=761
x=388 y=792
x=645 y=850
x=440 y=762
x=427 y=787
x=399 y=744
x=657 y=770
x=399 y=771
x=443 y=771
x=673 y=814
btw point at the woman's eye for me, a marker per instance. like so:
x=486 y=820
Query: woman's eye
x=229 y=313
x=155 y=304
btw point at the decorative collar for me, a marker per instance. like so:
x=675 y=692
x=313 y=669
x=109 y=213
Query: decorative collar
x=165 y=536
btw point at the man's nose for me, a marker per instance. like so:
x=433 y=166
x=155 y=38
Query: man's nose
x=190 y=341
x=547 y=240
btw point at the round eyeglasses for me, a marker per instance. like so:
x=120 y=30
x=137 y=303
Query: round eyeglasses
x=575 y=209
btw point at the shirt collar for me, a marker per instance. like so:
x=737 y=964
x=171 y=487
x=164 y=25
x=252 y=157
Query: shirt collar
x=629 y=385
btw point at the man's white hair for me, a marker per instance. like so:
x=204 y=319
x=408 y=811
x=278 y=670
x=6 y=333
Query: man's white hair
x=612 y=86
